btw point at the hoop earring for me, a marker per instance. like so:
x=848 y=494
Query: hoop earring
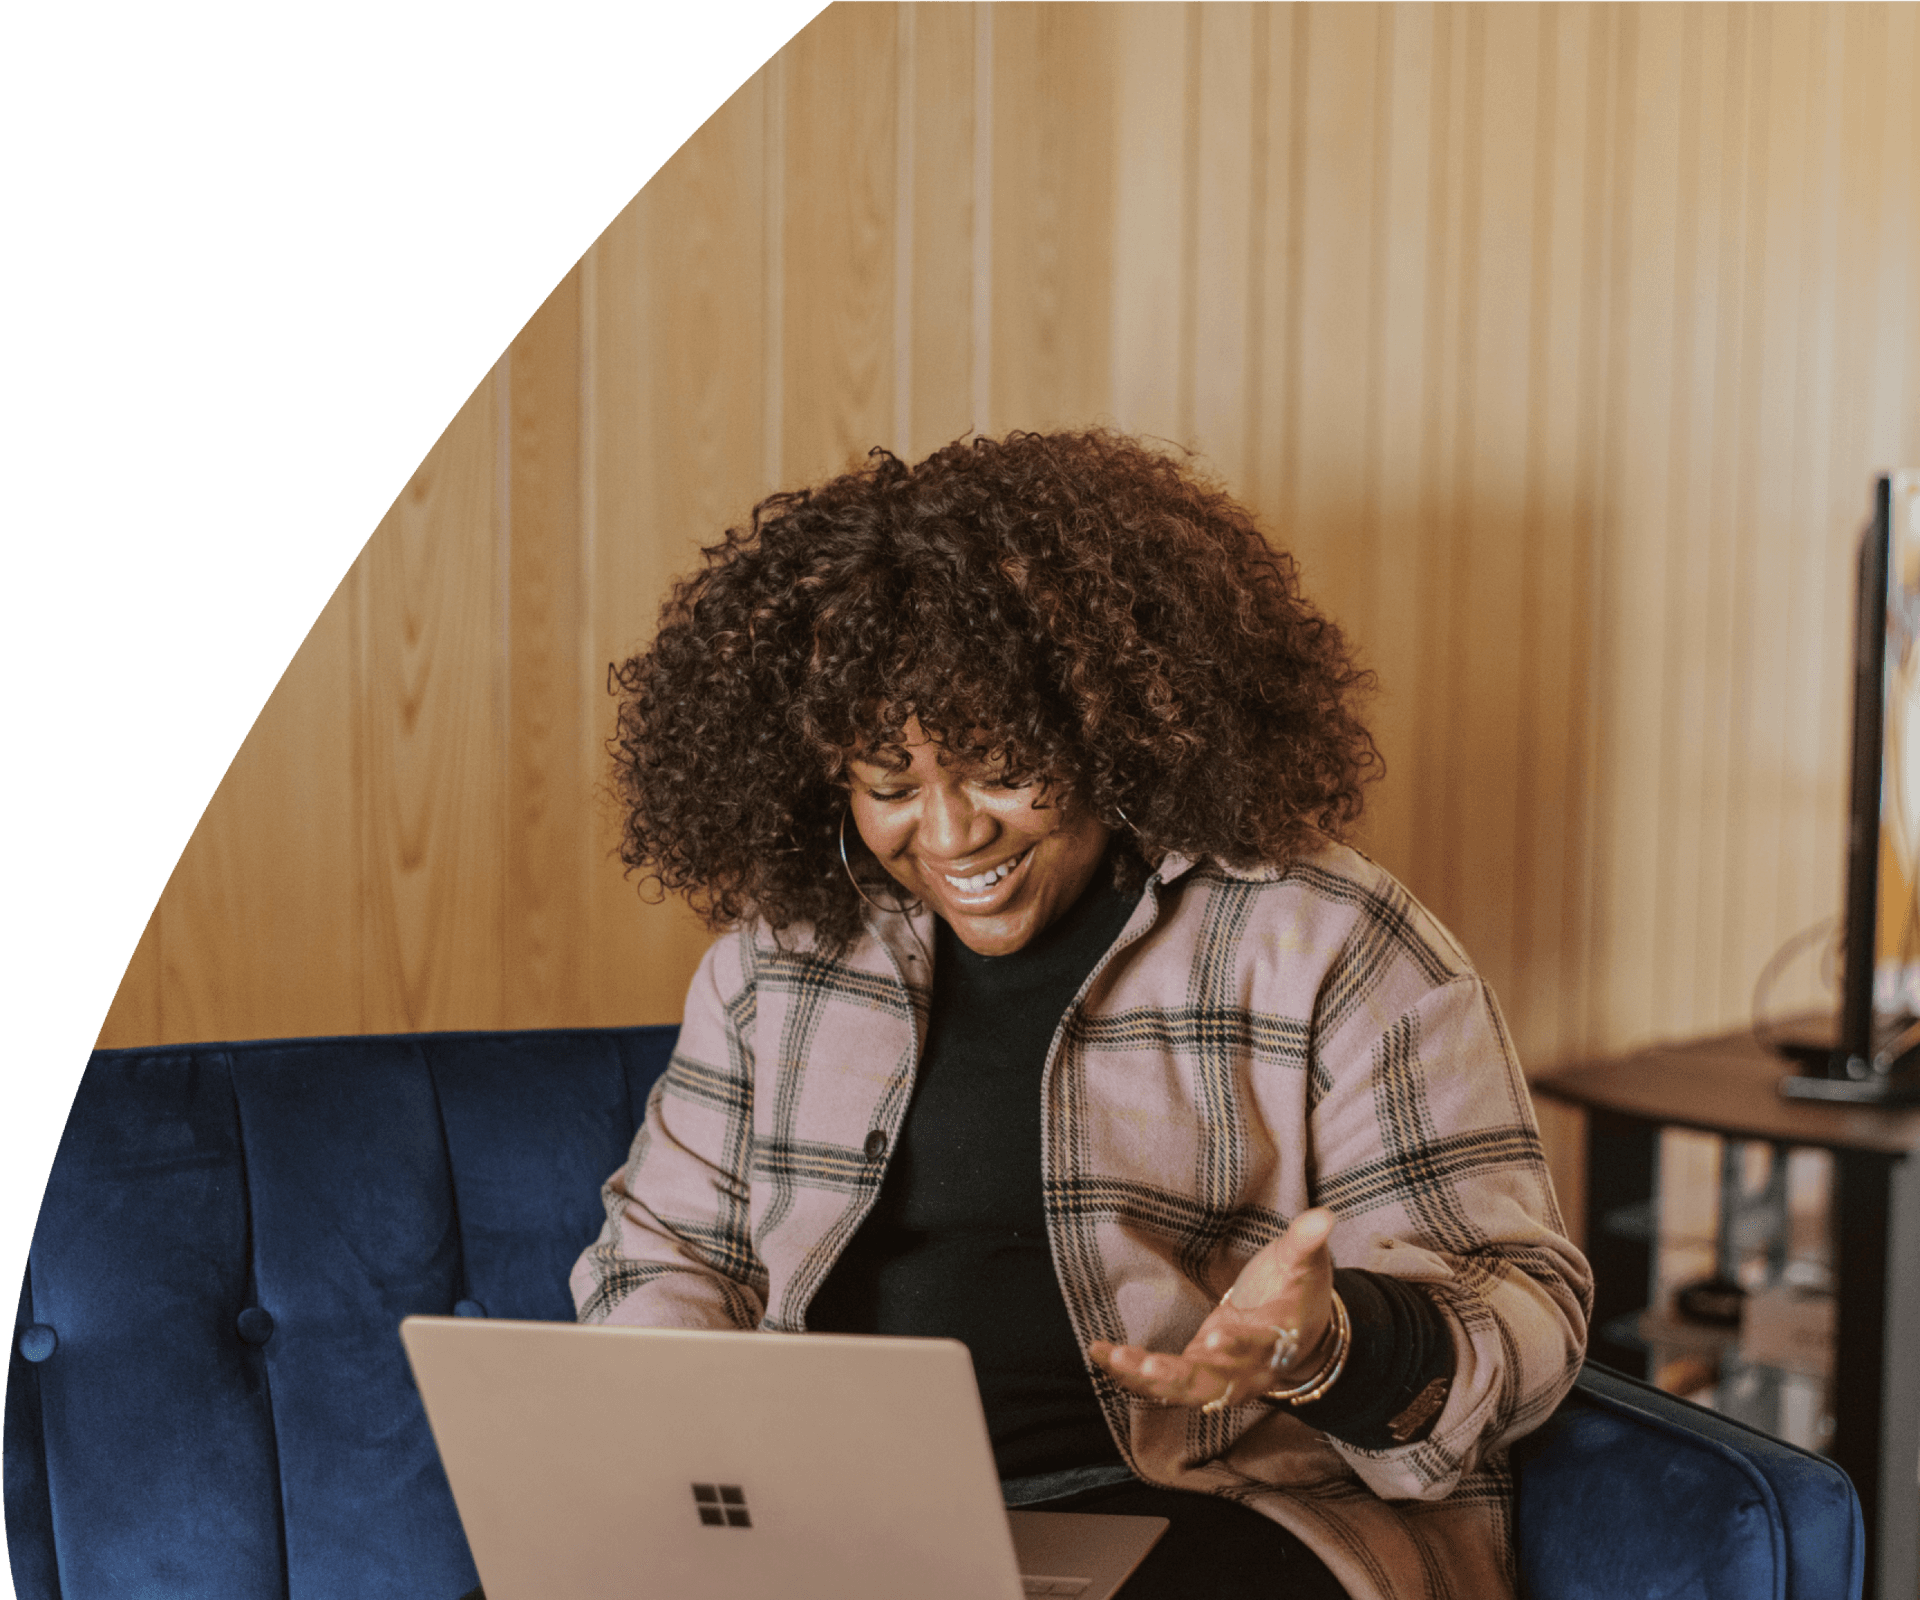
x=848 y=867
x=1128 y=821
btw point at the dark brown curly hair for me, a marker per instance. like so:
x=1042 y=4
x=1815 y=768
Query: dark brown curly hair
x=1077 y=605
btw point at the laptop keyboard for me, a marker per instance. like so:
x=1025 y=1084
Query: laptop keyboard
x=1051 y=1586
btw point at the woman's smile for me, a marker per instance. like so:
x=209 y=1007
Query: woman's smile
x=997 y=862
x=984 y=887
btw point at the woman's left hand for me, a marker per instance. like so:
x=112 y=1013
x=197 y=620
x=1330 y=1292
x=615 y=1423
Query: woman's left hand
x=1230 y=1358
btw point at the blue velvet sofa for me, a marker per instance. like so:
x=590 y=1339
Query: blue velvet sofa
x=207 y=1395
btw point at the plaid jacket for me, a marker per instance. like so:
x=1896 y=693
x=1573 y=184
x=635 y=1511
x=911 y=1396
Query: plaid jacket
x=1256 y=1042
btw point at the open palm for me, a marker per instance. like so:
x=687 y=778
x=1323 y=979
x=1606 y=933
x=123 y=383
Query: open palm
x=1231 y=1356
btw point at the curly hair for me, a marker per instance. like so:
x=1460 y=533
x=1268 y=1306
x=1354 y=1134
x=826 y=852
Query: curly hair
x=1079 y=606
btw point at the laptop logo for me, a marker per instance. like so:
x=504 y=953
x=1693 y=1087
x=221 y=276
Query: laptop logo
x=722 y=1505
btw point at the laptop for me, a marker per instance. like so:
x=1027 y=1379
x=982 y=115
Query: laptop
x=590 y=1463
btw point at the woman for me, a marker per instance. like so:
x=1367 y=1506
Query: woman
x=1053 y=1016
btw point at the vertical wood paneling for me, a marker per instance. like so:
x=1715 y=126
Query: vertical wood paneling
x=1687 y=657
x=255 y=934
x=678 y=367
x=1052 y=220
x=617 y=366
x=1150 y=171
x=1696 y=843
x=432 y=718
x=1325 y=499
x=985 y=113
x=1556 y=620
x=1637 y=603
x=1491 y=671
x=134 y=1017
x=1227 y=148
x=1768 y=653
x=944 y=214
x=1429 y=767
x=1897 y=358
x=1813 y=721
x=547 y=852
x=837 y=259
x=1275 y=393
x=1395 y=510
x=1559 y=342
x=1613 y=454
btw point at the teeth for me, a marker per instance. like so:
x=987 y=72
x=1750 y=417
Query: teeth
x=984 y=880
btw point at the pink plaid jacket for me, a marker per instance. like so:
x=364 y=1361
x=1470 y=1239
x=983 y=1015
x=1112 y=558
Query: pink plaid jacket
x=1255 y=1043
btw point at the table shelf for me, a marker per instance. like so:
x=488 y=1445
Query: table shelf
x=1866 y=1415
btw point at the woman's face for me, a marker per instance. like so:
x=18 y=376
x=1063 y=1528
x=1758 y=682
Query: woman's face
x=989 y=861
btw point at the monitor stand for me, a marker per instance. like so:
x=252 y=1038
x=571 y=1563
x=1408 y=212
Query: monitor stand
x=1889 y=1077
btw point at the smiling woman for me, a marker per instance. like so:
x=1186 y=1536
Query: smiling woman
x=994 y=859
x=1088 y=1043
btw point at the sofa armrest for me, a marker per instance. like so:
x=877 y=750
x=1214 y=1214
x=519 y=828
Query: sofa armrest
x=1630 y=1491
x=29 y=1508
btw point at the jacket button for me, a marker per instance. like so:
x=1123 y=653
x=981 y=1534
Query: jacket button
x=255 y=1325
x=37 y=1342
x=468 y=1308
x=876 y=1145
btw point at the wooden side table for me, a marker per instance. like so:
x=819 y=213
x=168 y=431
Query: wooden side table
x=1727 y=1086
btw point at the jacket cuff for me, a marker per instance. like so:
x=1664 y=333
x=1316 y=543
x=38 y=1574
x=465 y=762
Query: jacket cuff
x=1398 y=1370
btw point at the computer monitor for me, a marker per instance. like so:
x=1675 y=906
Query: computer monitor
x=1876 y=1058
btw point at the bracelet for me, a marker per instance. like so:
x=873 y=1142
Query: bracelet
x=1323 y=1380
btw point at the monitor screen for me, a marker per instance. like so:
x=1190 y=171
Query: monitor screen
x=1896 y=963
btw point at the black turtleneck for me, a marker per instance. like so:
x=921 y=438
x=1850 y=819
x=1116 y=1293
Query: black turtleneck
x=956 y=1244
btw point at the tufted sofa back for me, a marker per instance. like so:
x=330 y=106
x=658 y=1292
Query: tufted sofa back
x=207 y=1394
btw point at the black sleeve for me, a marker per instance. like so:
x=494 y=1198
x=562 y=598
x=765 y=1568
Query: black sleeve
x=1398 y=1370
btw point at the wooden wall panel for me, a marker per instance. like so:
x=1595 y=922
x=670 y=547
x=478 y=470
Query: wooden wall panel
x=1150 y=261
x=1692 y=581
x=547 y=852
x=939 y=92
x=432 y=713
x=254 y=935
x=837 y=258
x=679 y=361
x=1555 y=622
x=1273 y=393
x=1892 y=219
x=260 y=879
x=1323 y=500
x=1391 y=496
x=134 y=1017
x=1559 y=342
x=1703 y=584
x=1488 y=671
x=1430 y=767
x=1226 y=182
x=623 y=585
x=1052 y=214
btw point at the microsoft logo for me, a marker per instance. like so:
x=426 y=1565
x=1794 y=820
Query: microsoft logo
x=722 y=1505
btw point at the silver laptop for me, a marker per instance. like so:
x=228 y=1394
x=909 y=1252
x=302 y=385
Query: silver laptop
x=590 y=1463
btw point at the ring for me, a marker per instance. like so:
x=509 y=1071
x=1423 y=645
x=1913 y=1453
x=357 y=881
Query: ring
x=1286 y=1345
